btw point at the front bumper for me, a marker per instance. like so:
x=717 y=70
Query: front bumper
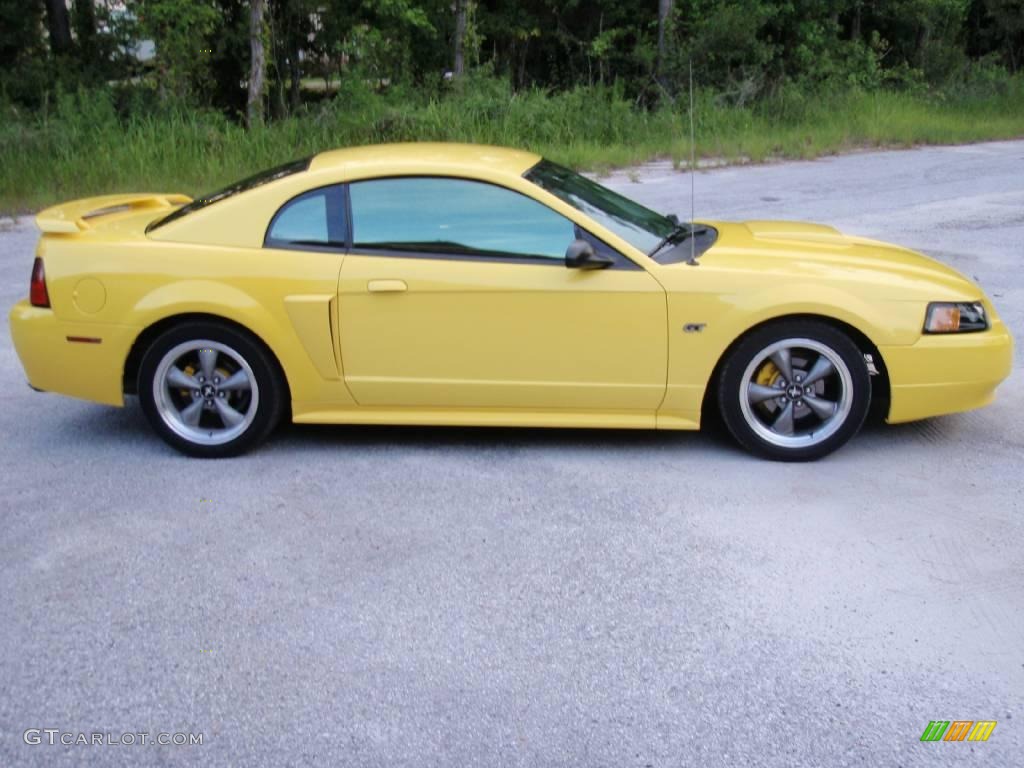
x=52 y=363
x=947 y=373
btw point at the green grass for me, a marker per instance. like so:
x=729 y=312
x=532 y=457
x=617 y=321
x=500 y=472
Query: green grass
x=82 y=147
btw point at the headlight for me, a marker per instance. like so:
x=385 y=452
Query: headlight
x=955 y=317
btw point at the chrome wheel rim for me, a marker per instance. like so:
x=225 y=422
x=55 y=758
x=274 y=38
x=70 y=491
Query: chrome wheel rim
x=796 y=393
x=205 y=392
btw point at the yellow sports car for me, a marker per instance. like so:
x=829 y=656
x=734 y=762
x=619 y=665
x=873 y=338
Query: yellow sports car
x=472 y=285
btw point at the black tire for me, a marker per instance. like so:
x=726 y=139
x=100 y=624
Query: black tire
x=761 y=427
x=264 y=401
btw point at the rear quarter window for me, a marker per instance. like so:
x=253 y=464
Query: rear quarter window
x=314 y=218
x=257 y=180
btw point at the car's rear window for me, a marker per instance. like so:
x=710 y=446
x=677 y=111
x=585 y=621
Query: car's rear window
x=263 y=177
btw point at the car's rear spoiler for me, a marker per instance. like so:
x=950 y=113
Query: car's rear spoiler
x=74 y=216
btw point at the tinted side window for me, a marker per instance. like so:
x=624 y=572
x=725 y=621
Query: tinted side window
x=439 y=215
x=313 y=218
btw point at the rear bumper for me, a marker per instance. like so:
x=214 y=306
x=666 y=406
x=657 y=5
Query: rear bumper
x=52 y=363
x=947 y=374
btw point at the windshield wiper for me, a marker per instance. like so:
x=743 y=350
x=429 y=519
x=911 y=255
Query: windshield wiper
x=680 y=233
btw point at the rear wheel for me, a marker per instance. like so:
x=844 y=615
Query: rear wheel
x=794 y=391
x=210 y=390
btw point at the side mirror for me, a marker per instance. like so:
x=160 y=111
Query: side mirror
x=581 y=255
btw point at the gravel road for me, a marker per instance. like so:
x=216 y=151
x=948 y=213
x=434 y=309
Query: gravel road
x=485 y=597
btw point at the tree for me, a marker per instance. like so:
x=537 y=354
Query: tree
x=290 y=24
x=459 y=64
x=294 y=24
x=1008 y=18
x=229 y=58
x=85 y=30
x=257 y=63
x=59 y=24
x=180 y=29
x=664 y=12
x=24 y=76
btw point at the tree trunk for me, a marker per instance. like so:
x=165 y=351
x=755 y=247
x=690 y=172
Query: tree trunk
x=59 y=24
x=295 y=74
x=278 y=75
x=521 y=78
x=459 y=65
x=85 y=28
x=924 y=34
x=258 y=62
x=664 y=11
x=278 y=85
x=289 y=21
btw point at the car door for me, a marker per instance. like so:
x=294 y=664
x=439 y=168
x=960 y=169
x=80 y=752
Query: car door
x=455 y=294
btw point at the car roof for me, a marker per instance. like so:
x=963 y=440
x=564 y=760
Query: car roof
x=429 y=156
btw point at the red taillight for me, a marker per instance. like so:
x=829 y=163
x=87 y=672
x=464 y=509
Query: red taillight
x=37 y=292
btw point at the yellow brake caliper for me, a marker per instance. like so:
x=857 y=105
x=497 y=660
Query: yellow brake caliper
x=188 y=370
x=768 y=375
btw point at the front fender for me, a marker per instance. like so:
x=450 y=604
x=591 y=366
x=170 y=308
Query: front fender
x=694 y=355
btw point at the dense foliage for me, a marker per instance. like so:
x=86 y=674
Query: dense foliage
x=742 y=48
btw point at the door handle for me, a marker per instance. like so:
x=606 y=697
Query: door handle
x=386 y=286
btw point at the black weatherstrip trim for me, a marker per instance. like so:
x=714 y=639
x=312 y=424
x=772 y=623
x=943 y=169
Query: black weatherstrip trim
x=337 y=215
x=395 y=253
x=349 y=223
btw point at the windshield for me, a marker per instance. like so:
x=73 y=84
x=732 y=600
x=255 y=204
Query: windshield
x=640 y=227
x=263 y=177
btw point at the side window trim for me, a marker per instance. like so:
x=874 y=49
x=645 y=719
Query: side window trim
x=511 y=258
x=621 y=260
x=338 y=223
x=336 y=201
x=350 y=225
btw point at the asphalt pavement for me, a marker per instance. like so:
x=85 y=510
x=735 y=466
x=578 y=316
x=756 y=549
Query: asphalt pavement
x=356 y=596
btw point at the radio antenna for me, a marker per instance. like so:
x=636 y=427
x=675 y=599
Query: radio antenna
x=693 y=169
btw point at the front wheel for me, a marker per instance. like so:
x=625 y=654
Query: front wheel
x=794 y=391
x=210 y=390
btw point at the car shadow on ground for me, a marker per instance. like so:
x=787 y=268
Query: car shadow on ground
x=712 y=440
x=321 y=437
x=104 y=428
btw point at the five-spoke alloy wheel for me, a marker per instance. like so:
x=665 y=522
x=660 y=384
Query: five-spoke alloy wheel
x=794 y=391
x=209 y=390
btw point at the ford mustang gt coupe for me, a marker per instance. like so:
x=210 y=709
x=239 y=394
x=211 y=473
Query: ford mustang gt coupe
x=472 y=285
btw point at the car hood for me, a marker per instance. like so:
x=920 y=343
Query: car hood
x=816 y=249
